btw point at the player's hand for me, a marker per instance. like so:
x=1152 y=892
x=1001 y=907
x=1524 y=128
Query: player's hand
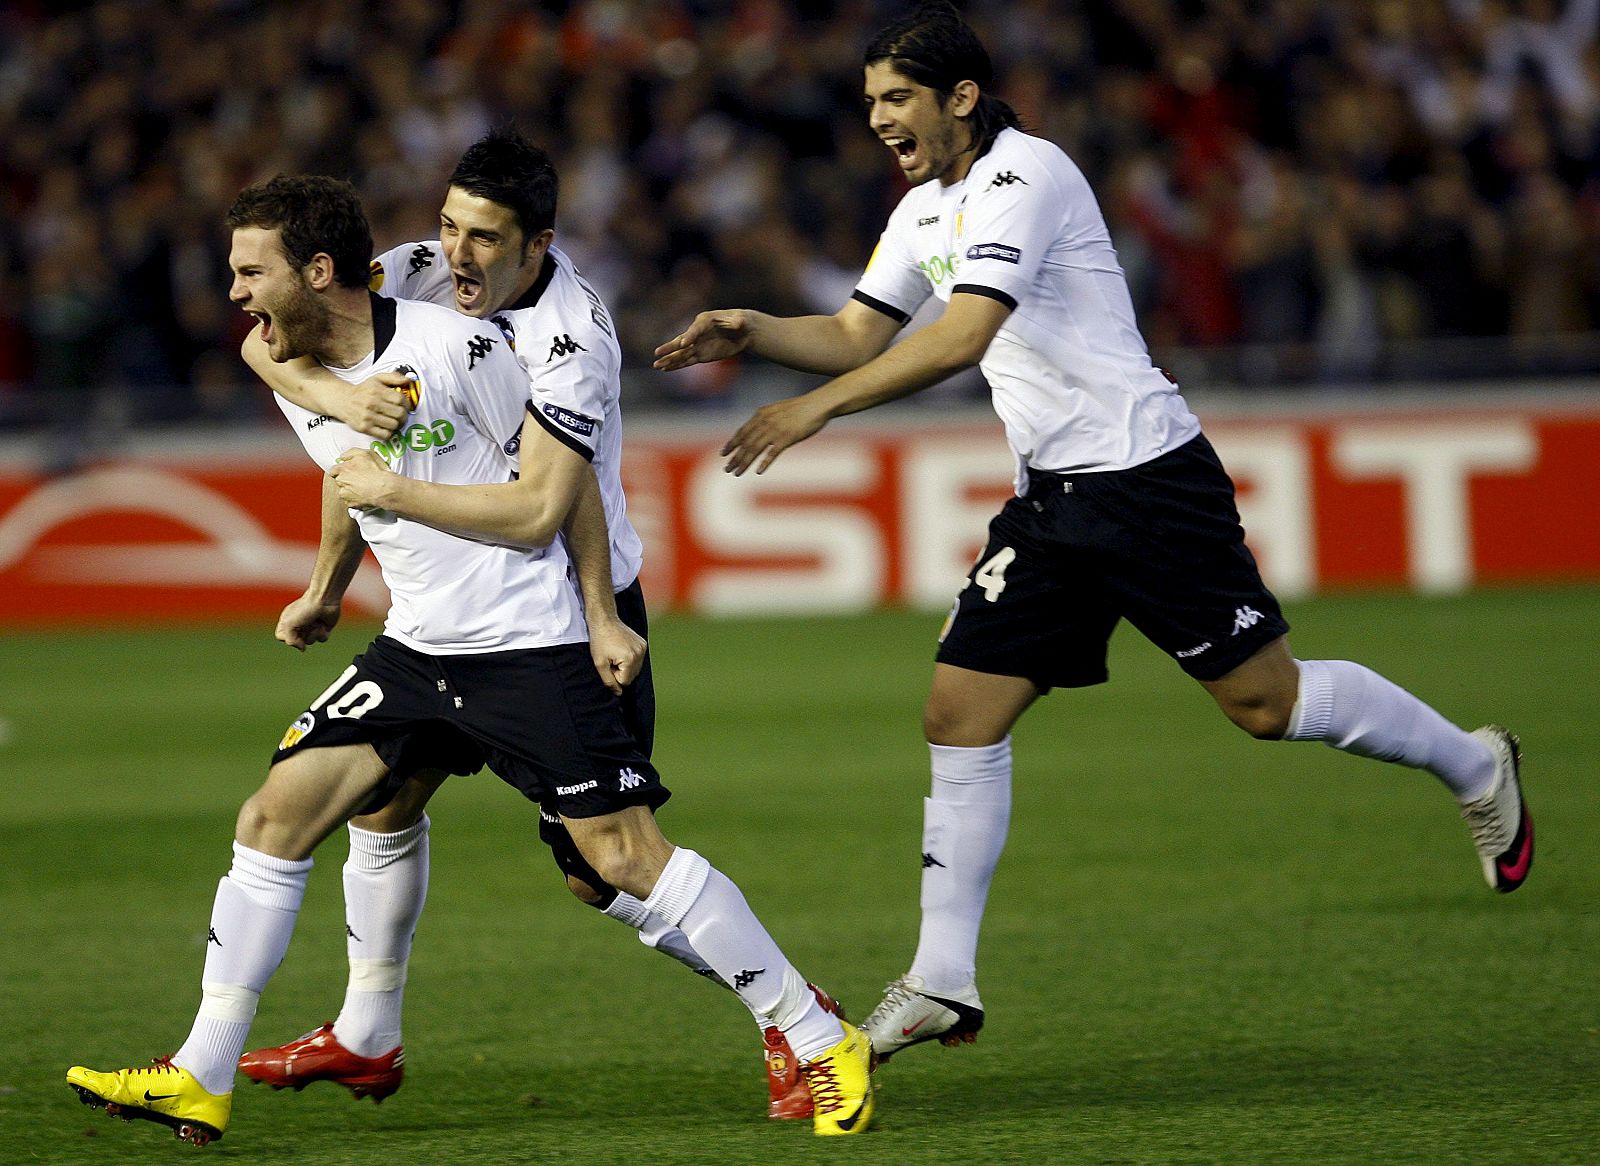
x=377 y=406
x=711 y=336
x=617 y=651
x=771 y=430
x=361 y=478
x=305 y=622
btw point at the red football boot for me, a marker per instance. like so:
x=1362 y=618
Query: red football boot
x=789 y=1097
x=318 y=1056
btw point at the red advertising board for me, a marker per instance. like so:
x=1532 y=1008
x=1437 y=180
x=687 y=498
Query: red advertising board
x=866 y=514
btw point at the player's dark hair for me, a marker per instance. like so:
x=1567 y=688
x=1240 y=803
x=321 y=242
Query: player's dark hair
x=504 y=167
x=317 y=215
x=935 y=47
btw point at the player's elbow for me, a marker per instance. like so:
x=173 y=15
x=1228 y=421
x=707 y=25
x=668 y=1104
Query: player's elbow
x=535 y=531
x=534 y=523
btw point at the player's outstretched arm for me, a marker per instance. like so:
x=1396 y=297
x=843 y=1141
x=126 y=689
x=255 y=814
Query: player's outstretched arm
x=824 y=344
x=527 y=512
x=376 y=407
x=617 y=650
x=956 y=341
x=310 y=619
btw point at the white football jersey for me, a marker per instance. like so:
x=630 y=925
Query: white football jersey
x=564 y=338
x=451 y=594
x=1068 y=371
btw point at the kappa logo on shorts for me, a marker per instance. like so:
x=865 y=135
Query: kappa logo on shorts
x=293 y=735
x=628 y=779
x=1245 y=618
x=1185 y=653
x=582 y=787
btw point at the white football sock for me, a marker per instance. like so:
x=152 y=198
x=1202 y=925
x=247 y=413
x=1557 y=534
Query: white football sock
x=693 y=895
x=1354 y=709
x=963 y=833
x=252 y=919
x=655 y=932
x=385 y=887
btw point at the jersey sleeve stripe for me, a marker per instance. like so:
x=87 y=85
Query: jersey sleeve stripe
x=977 y=289
x=561 y=434
x=878 y=305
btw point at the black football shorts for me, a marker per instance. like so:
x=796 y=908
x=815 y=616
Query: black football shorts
x=540 y=718
x=1159 y=545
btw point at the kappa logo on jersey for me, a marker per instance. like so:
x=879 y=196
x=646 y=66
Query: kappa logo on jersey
x=375 y=277
x=563 y=346
x=318 y=421
x=421 y=258
x=628 y=779
x=567 y=419
x=477 y=348
x=412 y=389
x=1243 y=618
x=293 y=735
x=995 y=251
x=928 y=222
x=1005 y=178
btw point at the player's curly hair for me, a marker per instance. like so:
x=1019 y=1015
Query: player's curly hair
x=317 y=215
x=505 y=168
x=934 y=47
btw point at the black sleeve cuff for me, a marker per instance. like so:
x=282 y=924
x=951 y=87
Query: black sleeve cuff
x=977 y=289
x=877 y=305
x=561 y=434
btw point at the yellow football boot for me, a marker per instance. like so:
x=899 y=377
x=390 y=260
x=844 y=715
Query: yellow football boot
x=163 y=1092
x=841 y=1085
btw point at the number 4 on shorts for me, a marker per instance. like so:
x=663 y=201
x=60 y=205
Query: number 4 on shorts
x=991 y=576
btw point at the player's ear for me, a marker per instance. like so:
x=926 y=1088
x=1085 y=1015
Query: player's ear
x=319 y=272
x=537 y=245
x=964 y=98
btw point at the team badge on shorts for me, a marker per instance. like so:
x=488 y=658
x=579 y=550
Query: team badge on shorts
x=293 y=735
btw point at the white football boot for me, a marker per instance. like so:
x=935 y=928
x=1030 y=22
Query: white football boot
x=1502 y=828
x=908 y=1015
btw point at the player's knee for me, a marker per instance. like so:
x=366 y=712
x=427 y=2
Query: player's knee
x=946 y=723
x=254 y=819
x=585 y=892
x=1264 y=719
x=266 y=825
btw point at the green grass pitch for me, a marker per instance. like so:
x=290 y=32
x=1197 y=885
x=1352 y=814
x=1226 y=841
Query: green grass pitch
x=1199 y=948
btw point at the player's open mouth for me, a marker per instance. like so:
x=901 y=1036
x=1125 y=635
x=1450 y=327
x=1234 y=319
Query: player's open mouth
x=468 y=291
x=266 y=325
x=905 y=150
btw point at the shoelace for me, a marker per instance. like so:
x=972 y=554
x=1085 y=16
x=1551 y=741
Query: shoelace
x=825 y=1093
x=157 y=1065
x=895 y=995
x=1486 y=824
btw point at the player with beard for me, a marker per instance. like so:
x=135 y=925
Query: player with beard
x=1122 y=510
x=496 y=260
x=483 y=660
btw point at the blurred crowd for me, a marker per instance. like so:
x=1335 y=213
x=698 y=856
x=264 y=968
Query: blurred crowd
x=1317 y=178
